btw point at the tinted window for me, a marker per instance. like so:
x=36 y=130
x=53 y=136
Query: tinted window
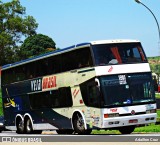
x=12 y=75
x=55 y=64
x=129 y=89
x=91 y=94
x=51 y=99
x=121 y=53
x=76 y=59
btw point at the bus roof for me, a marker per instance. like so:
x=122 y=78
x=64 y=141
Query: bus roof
x=65 y=50
x=113 y=41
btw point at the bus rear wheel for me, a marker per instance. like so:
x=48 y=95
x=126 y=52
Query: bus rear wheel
x=20 y=126
x=28 y=126
x=79 y=126
x=126 y=129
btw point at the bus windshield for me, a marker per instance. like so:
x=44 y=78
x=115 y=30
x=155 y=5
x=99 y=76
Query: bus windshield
x=120 y=53
x=130 y=89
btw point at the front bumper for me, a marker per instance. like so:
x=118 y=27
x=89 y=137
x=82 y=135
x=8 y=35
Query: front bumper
x=129 y=120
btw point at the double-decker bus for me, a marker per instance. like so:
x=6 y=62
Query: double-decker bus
x=104 y=84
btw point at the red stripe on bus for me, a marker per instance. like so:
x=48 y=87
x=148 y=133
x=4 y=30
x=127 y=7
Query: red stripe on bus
x=76 y=94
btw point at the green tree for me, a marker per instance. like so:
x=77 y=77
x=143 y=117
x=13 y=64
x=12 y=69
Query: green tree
x=36 y=45
x=14 y=25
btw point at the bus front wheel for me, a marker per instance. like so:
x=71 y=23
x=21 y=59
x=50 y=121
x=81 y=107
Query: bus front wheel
x=126 y=129
x=79 y=126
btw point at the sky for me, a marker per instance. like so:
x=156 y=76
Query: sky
x=69 y=22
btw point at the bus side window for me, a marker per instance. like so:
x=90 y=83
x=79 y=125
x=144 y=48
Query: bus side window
x=55 y=99
x=65 y=97
x=94 y=95
x=91 y=94
x=83 y=58
x=75 y=59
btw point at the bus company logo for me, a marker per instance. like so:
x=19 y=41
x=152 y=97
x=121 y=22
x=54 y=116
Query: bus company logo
x=9 y=102
x=36 y=85
x=113 y=110
x=49 y=82
x=133 y=112
x=110 y=69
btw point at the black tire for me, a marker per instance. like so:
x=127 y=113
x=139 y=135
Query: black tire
x=65 y=131
x=79 y=126
x=20 y=126
x=28 y=126
x=126 y=129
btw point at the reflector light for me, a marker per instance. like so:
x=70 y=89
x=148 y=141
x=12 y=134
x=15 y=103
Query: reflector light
x=111 y=115
x=133 y=121
x=81 y=101
x=105 y=115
